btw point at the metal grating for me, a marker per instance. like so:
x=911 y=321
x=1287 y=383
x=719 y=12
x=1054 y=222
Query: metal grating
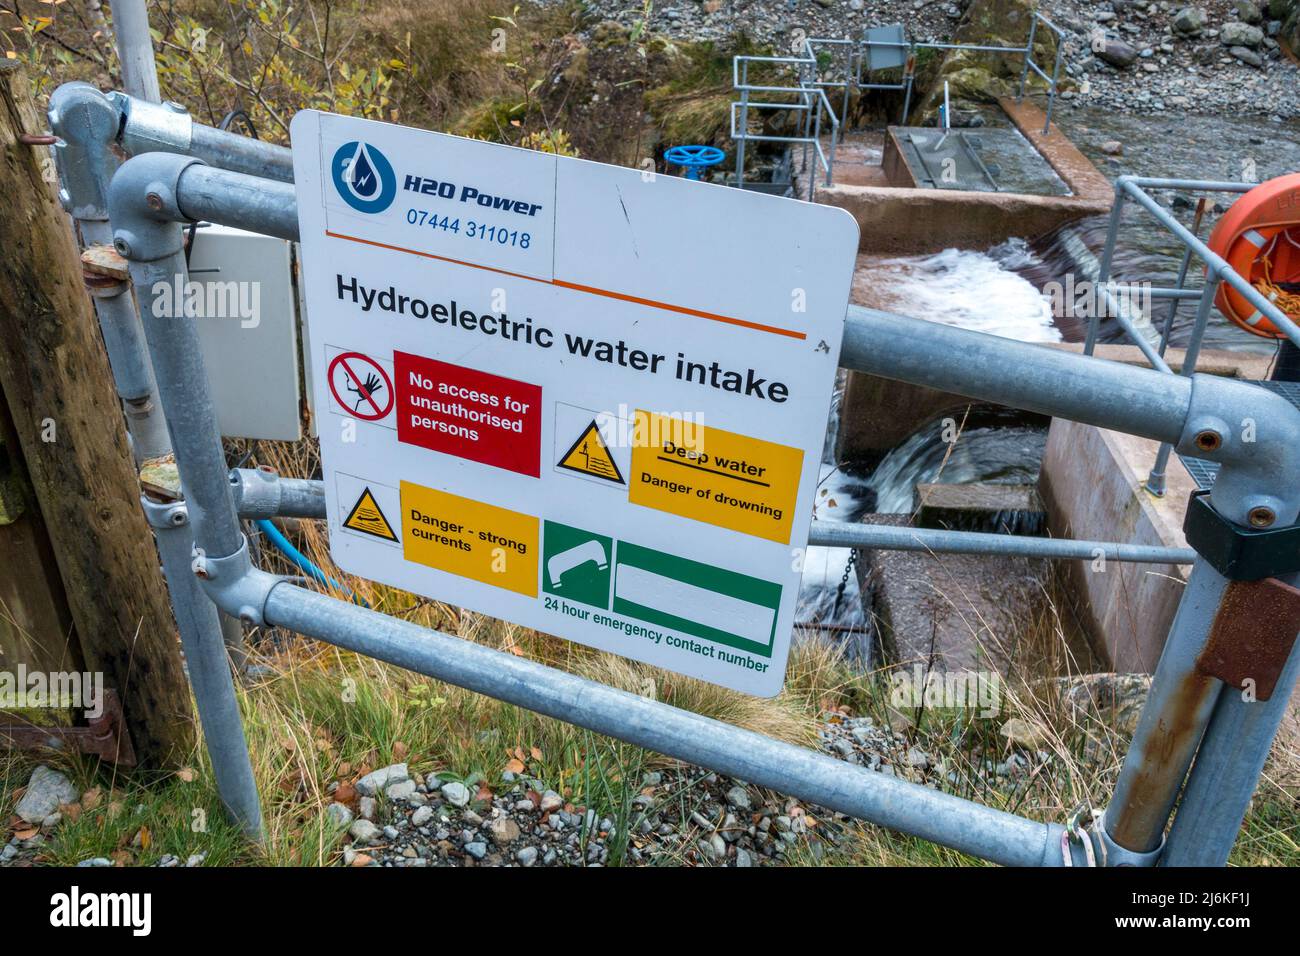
x=1204 y=472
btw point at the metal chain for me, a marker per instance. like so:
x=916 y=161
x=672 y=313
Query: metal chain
x=844 y=582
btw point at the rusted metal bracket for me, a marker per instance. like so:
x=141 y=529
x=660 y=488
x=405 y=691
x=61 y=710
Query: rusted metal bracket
x=1252 y=635
x=106 y=736
x=104 y=272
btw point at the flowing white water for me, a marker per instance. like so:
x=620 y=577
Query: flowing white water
x=973 y=290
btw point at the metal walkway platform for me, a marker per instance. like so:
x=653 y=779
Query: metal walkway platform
x=1204 y=472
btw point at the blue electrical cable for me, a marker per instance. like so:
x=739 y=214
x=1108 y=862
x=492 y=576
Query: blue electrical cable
x=303 y=562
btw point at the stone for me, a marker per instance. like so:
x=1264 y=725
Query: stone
x=1115 y=52
x=1248 y=11
x=743 y=858
x=455 y=793
x=477 y=849
x=527 y=855
x=339 y=816
x=1246 y=56
x=1189 y=21
x=1115 y=699
x=1022 y=733
x=1241 y=34
x=503 y=830
x=372 y=783
x=94 y=861
x=47 y=790
x=367 y=807
x=363 y=831
x=399 y=792
x=421 y=816
x=551 y=801
x=738 y=797
x=1112 y=147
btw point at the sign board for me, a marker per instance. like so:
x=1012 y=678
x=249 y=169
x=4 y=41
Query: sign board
x=241 y=288
x=578 y=397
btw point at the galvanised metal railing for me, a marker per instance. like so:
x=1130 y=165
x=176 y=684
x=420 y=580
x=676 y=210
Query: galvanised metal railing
x=856 y=56
x=1134 y=189
x=809 y=99
x=207 y=563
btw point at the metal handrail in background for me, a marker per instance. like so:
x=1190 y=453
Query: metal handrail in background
x=856 y=57
x=1134 y=188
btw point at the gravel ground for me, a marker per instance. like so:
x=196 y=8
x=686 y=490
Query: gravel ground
x=682 y=815
x=1159 y=59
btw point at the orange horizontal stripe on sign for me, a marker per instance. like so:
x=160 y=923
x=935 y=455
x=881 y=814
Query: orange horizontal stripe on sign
x=591 y=290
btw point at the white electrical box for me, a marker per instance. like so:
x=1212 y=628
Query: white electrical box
x=241 y=290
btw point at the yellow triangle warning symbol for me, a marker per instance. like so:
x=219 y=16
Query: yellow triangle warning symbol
x=589 y=455
x=367 y=517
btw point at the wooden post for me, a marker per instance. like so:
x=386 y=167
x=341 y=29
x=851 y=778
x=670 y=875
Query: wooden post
x=59 y=389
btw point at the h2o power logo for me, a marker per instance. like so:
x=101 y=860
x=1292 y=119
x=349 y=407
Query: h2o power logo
x=363 y=177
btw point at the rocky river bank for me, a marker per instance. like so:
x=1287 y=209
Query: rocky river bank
x=1221 y=57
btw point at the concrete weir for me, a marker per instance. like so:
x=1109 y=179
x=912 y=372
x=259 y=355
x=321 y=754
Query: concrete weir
x=897 y=214
x=961 y=611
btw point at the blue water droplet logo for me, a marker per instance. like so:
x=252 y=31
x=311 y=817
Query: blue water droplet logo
x=364 y=177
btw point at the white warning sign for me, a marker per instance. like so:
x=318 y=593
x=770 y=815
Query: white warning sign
x=548 y=407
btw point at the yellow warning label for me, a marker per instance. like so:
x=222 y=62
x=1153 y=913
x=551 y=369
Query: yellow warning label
x=719 y=477
x=470 y=538
x=590 y=456
x=366 y=516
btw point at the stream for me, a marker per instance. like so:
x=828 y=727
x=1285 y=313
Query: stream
x=998 y=291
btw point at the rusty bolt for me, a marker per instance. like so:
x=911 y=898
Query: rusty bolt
x=155 y=202
x=1208 y=440
x=267 y=469
x=37 y=139
x=1261 y=517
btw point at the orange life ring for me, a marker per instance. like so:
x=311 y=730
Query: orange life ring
x=1259 y=236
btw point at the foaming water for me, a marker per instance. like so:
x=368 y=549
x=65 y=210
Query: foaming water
x=999 y=455
x=973 y=290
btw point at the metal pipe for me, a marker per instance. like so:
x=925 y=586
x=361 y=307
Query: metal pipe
x=837 y=534
x=786 y=768
x=237 y=199
x=1029 y=55
x=135 y=49
x=242 y=154
x=209 y=672
x=1178 y=293
x=259 y=493
x=740 y=143
x=1108 y=394
x=1051 y=90
x=1223 y=779
x=183 y=384
x=1155 y=482
x=1103 y=269
x=1172 y=722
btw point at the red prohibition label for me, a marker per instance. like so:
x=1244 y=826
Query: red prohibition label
x=371 y=390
